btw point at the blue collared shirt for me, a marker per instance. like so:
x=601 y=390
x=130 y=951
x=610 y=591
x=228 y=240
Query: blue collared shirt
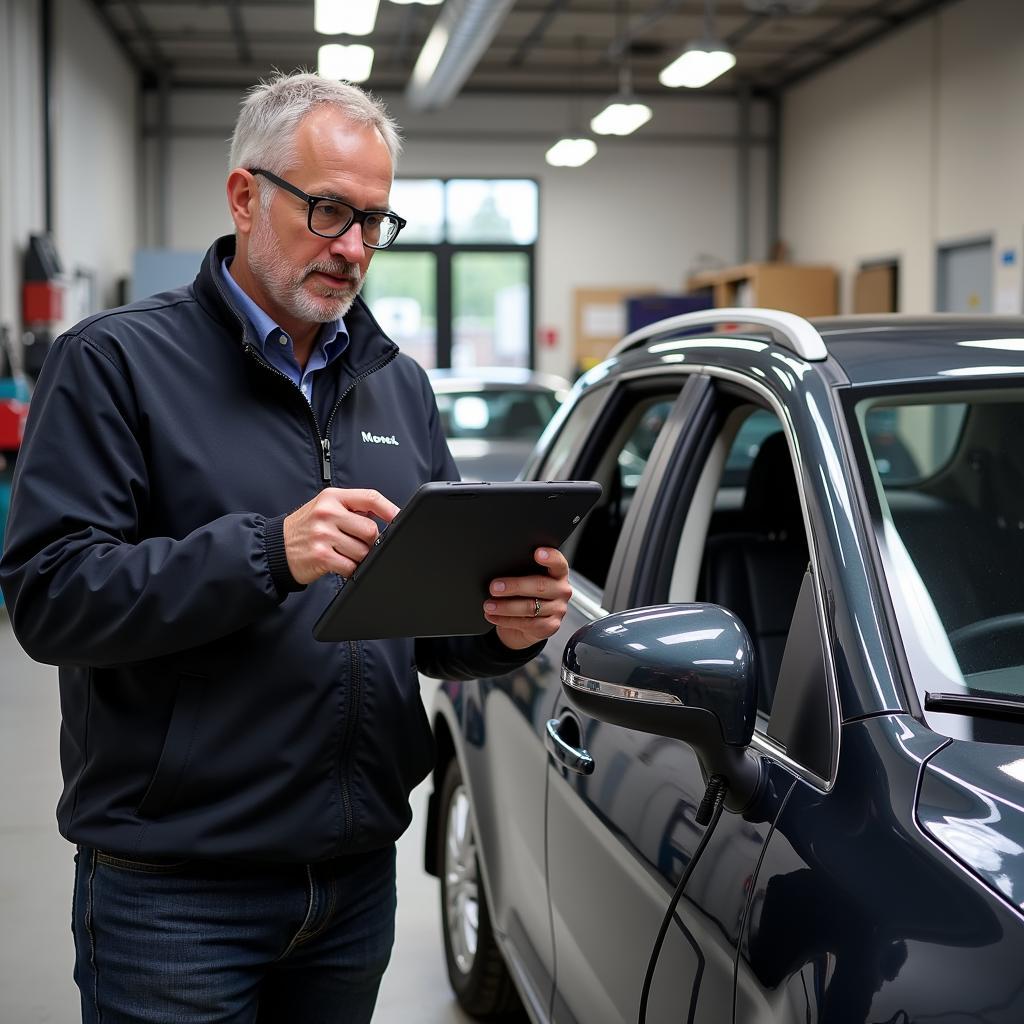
x=277 y=344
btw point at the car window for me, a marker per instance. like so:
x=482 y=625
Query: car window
x=912 y=443
x=496 y=415
x=617 y=462
x=743 y=544
x=558 y=462
x=949 y=530
x=753 y=430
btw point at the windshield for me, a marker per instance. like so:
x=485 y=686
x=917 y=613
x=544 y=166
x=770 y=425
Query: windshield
x=948 y=473
x=515 y=414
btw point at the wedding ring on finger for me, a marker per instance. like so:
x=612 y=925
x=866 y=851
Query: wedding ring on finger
x=536 y=607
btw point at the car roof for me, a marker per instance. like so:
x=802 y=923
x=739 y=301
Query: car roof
x=884 y=349
x=486 y=378
x=875 y=350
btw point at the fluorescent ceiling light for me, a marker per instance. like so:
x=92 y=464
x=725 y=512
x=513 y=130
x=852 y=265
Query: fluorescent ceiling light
x=702 y=63
x=352 y=63
x=571 y=152
x=353 y=17
x=621 y=117
x=426 y=3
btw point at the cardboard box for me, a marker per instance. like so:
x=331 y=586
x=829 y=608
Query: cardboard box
x=600 y=320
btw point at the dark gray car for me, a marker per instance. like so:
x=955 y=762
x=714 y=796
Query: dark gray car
x=809 y=631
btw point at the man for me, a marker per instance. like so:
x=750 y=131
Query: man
x=195 y=476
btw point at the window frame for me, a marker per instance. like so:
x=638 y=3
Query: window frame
x=873 y=518
x=740 y=389
x=592 y=446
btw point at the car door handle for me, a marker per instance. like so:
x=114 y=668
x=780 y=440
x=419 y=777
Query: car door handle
x=573 y=758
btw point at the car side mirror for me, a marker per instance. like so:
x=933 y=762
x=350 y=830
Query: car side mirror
x=679 y=670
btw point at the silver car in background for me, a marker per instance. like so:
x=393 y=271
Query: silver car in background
x=492 y=417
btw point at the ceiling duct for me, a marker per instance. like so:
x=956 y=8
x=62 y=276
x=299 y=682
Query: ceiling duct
x=463 y=30
x=782 y=8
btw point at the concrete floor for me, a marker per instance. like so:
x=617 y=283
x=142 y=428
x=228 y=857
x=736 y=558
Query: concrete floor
x=36 y=951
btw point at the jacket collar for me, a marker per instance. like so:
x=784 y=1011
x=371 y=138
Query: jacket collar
x=368 y=343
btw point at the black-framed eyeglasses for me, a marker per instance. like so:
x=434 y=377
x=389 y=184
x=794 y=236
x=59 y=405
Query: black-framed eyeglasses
x=329 y=217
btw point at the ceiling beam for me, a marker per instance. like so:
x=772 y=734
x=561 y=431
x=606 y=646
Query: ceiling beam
x=536 y=33
x=120 y=39
x=496 y=53
x=238 y=27
x=143 y=30
x=920 y=10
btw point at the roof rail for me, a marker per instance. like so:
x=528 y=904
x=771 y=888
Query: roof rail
x=794 y=331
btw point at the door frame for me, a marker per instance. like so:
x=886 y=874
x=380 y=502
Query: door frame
x=943 y=249
x=444 y=253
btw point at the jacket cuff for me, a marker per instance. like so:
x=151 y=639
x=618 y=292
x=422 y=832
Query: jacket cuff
x=497 y=651
x=277 y=558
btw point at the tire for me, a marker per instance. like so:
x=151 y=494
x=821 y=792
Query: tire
x=476 y=969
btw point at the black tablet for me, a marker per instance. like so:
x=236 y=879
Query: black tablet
x=430 y=571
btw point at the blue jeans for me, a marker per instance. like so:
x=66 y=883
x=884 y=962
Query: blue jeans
x=200 y=942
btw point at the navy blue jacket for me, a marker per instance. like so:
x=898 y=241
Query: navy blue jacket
x=145 y=557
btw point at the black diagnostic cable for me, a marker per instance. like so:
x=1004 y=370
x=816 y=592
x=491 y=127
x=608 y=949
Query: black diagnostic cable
x=708 y=813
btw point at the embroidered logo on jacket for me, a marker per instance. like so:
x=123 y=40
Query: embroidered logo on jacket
x=369 y=438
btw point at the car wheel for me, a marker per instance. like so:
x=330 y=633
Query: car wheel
x=476 y=969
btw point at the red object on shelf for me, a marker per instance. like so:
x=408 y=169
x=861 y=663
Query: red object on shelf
x=13 y=414
x=42 y=302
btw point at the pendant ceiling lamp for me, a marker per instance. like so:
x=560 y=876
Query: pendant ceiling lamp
x=623 y=113
x=351 y=63
x=703 y=61
x=353 y=17
x=572 y=150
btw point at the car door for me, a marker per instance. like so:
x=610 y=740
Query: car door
x=620 y=837
x=607 y=434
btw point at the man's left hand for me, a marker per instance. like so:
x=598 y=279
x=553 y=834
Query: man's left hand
x=528 y=609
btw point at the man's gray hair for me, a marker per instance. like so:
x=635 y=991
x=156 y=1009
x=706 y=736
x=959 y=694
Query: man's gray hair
x=264 y=133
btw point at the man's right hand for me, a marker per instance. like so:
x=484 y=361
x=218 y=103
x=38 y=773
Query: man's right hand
x=333 y=532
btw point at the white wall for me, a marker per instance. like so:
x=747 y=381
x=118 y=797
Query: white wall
x=641 y=212
x=21 y=147
x=912 y=143
x=95 y=149
x=95 y=195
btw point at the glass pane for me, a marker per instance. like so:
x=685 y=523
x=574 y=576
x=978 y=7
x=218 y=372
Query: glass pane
x=492 y=211
x=421 y=203
x=754 y=429
x=950 y=493
x=401 y=292
x=578 y=421
x=915 y=441
x=637 y=451
x=496 y=414
x=620 y=470
x=490 y=309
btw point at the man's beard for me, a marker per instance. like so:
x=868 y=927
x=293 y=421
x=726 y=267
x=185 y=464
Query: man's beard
x=276 y=275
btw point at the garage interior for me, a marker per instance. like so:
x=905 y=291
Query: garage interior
x=860 y=156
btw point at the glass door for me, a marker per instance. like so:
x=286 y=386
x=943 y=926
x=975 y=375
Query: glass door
x=401 y=291
x=490 y=309
x=456 y=289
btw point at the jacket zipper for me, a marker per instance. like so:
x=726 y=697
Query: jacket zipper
x=355 y=690
x=325 y=441
x=355 y=696
x=325 y=445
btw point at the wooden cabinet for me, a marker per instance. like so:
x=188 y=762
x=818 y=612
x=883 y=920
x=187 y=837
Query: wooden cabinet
x=805 y=290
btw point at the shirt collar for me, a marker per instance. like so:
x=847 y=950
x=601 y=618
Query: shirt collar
x=333 y=336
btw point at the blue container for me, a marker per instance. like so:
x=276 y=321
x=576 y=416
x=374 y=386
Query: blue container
x=17 y=388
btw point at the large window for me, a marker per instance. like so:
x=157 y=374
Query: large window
x=456 y=289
